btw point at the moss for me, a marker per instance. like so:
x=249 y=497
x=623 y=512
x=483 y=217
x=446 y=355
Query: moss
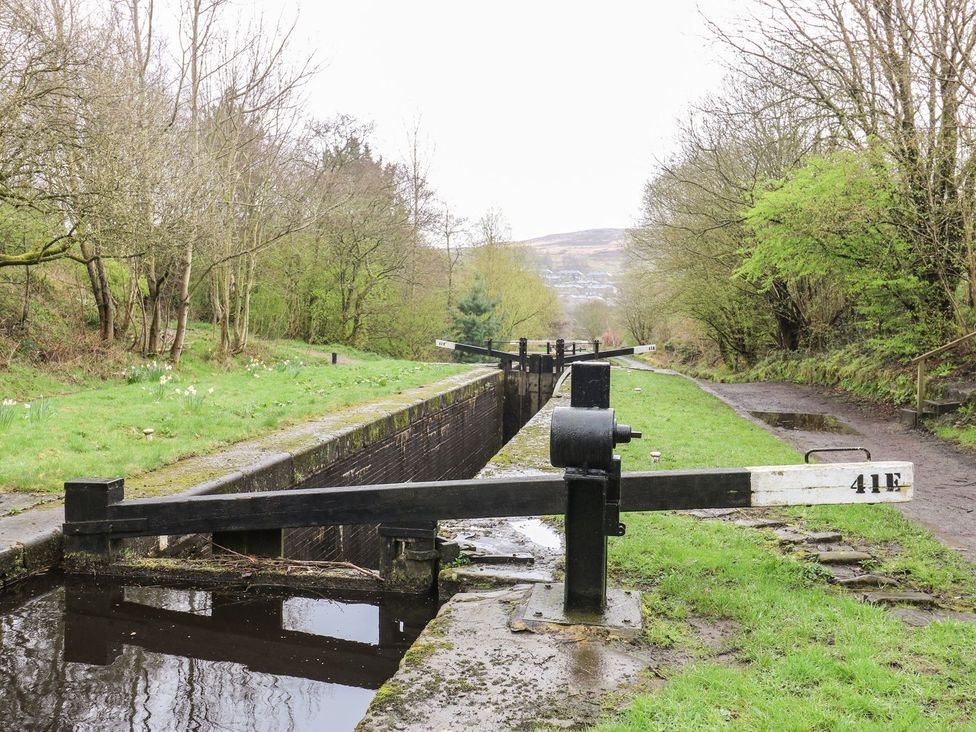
x=172 y=480
x=401 y=420
x=438 y=627
x=388 y=696
x=82 y=562
x=420 y=651
x=456 y=686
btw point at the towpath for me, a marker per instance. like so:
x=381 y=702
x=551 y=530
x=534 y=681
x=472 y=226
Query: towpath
x=945 y=476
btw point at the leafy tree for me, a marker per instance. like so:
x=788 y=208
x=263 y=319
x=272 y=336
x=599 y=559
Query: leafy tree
x=527 y=306
x=825 y=232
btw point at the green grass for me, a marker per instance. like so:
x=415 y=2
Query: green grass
x=806 y=656
x=957 y=427
x=25 y=381
x=95 y=426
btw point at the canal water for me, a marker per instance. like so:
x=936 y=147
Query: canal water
x=82 y=655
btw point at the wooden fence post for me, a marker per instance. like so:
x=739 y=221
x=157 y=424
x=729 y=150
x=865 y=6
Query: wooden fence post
x=920 y=389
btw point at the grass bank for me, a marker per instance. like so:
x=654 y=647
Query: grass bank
x=855 y=369
x=802 y=655
x=95 y=425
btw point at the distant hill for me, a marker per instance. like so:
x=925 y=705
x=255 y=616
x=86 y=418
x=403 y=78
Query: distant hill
x=590 y=250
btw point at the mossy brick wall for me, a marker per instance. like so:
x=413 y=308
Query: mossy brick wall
x=450 y=436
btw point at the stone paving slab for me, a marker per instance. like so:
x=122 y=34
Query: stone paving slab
x=843 y=556
x=867 y=580
x=785 y=536
x=824 y=537
x=919 y=617
x=895 y=597
x=760 y=523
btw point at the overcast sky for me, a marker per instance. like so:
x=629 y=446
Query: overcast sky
x=552 y=112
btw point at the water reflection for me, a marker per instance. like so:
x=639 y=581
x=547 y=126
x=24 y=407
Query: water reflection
x=107 y=657
x=806 y=422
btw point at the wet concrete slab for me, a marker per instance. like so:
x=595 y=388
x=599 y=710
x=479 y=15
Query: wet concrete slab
x=469 y=671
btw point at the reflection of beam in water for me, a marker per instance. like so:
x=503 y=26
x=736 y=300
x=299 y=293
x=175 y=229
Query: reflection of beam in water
x=241 y=629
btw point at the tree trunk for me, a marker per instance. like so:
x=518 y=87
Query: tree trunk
x=183 y=307
x=100 y=290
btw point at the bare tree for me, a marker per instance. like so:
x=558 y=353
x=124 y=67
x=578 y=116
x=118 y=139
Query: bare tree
x=452 y=228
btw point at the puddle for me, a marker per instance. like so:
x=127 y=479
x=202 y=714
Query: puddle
x=805 y=422
x=539 y=532
x=86 y=656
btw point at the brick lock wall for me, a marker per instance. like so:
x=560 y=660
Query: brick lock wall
x=453 y=441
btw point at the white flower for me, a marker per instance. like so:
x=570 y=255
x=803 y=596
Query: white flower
x=9 y=402
x=27 y=406
x=210 y=390
x=191 y=389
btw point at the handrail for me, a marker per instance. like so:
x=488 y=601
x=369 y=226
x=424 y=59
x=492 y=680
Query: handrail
x=920 y=381
x=942 y=349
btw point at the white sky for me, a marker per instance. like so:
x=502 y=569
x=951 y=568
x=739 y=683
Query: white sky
x=552 y=112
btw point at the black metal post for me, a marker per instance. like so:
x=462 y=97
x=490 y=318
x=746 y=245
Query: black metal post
x=596 y=346
x=612 y=516
x=560 y=355
x=586 y=542
x=574 y=348
x=590 y=385
x=489 y=346
x=548 y=350
x=586 y=505
x=523 y=352
x=335 y=358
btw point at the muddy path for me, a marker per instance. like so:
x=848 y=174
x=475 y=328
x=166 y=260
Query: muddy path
x=945 y=476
